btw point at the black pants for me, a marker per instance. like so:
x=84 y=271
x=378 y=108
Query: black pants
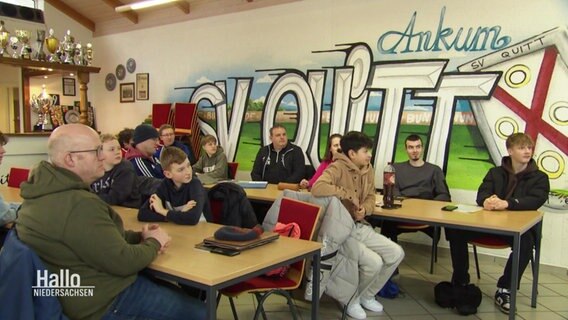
x=391 y=230
x=460 y=256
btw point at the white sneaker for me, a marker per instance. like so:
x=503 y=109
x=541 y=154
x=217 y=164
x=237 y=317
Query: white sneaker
x=371 y=304
x=355 y=311
x=308 y=292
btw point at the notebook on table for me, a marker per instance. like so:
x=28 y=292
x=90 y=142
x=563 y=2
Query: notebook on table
x=264 y=238
x=253 y=184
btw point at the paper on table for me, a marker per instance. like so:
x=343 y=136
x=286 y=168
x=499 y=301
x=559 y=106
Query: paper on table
x=466 y=208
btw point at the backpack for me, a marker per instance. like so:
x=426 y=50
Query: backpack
x=390 y=290
x=465 y=299
x=291 y=230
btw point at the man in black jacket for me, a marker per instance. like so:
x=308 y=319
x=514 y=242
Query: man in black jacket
x=517 y=184
x=279 y=161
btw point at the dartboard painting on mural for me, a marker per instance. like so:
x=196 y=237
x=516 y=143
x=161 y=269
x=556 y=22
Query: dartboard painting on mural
x=531 y=97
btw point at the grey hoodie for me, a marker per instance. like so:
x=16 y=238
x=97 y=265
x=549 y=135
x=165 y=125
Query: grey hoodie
x=212 y=169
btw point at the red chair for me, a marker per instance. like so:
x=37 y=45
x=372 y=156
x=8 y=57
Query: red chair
x=162 y=113
x=185 y=123
x=233 y=169
x=306 y=216
x=17 y=176
x=490 y=242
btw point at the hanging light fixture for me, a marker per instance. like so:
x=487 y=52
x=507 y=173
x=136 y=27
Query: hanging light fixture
x=142 y=5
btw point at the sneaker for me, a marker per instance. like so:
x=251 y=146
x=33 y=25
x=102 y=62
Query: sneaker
x=503 y=299
x=371 y=304
x=355 y=311
x=308 y=292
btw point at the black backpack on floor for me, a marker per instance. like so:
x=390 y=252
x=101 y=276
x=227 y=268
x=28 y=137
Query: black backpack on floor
x=465 y=299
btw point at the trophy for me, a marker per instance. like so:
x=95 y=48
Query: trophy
x=4 y=39
x=24 y=38
x=42 y=105
x=40 y=55
x=68 y=48
x=52 y=44
x=89 y=54
x=14 y=46
x=79 y=55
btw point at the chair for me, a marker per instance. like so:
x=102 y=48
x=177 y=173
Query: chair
x=233 y=169
x=185 y=123
x=413 y=227
x=162 y=113
x=404 y=227
x=306 y=215
x=491 y=242
x=18 y=274
x=17 y=176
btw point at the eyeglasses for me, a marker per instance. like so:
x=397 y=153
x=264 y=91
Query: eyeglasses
x=97 y=151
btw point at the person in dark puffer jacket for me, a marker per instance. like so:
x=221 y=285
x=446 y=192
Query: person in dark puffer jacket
x=517 y=184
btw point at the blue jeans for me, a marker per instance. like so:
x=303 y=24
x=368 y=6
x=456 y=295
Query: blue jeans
x=147 y=299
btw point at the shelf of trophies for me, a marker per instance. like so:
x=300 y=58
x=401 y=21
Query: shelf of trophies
x=64 y=57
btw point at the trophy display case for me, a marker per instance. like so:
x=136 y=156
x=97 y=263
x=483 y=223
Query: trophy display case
x=33 y=68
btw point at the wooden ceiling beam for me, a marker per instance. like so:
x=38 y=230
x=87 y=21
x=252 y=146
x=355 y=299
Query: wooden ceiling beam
x=73 y=14
x=183 y=6
x=130 y=15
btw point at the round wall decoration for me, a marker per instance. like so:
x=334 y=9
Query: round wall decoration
x=120 y=72
x=131 y=65
x=110 y=81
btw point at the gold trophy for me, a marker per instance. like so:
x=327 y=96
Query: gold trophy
x=42 y=105
x=52 y=44
x=4 y=39
x=24 y=38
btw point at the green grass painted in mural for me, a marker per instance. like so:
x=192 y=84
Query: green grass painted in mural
x=467 y=164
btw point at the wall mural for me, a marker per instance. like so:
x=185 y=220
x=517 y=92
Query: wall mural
x=464 y=115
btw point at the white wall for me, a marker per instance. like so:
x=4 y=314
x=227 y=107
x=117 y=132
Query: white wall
x=285 y=36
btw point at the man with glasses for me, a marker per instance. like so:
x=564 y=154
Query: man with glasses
x=168 y=137
x=144 y=144
x=72 y=230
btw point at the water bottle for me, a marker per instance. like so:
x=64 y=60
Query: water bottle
x=388 y=186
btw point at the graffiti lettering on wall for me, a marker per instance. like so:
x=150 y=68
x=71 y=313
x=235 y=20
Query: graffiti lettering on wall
x=4 y=179
x=444 y=38
x=530 y=98
x=353 y=84
x=514 y=92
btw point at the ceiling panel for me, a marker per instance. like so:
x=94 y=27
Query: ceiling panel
x=100 y=17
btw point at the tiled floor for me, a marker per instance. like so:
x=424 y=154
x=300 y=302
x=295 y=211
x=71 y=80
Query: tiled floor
x=417 y=300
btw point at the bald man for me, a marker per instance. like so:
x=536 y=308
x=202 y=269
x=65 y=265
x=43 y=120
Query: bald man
x=72 y=230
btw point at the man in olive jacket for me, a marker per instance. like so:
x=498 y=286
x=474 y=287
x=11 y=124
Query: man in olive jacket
x=72 y=230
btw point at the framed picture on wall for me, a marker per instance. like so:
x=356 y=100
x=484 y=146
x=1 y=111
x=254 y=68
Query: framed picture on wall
x=69 y=86
x=127 y=92
x=142 y=86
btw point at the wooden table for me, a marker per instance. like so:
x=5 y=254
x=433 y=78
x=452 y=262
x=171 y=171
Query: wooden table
x=507 y=223
x=185 y=264
x=10 y=194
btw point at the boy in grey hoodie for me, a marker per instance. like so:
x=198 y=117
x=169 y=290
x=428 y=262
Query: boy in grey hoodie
x=212 y=164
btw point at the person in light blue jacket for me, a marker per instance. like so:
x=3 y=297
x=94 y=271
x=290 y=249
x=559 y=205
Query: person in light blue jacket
x=7 y=210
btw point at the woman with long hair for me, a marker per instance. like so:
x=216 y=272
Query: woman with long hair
x=331 y=149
